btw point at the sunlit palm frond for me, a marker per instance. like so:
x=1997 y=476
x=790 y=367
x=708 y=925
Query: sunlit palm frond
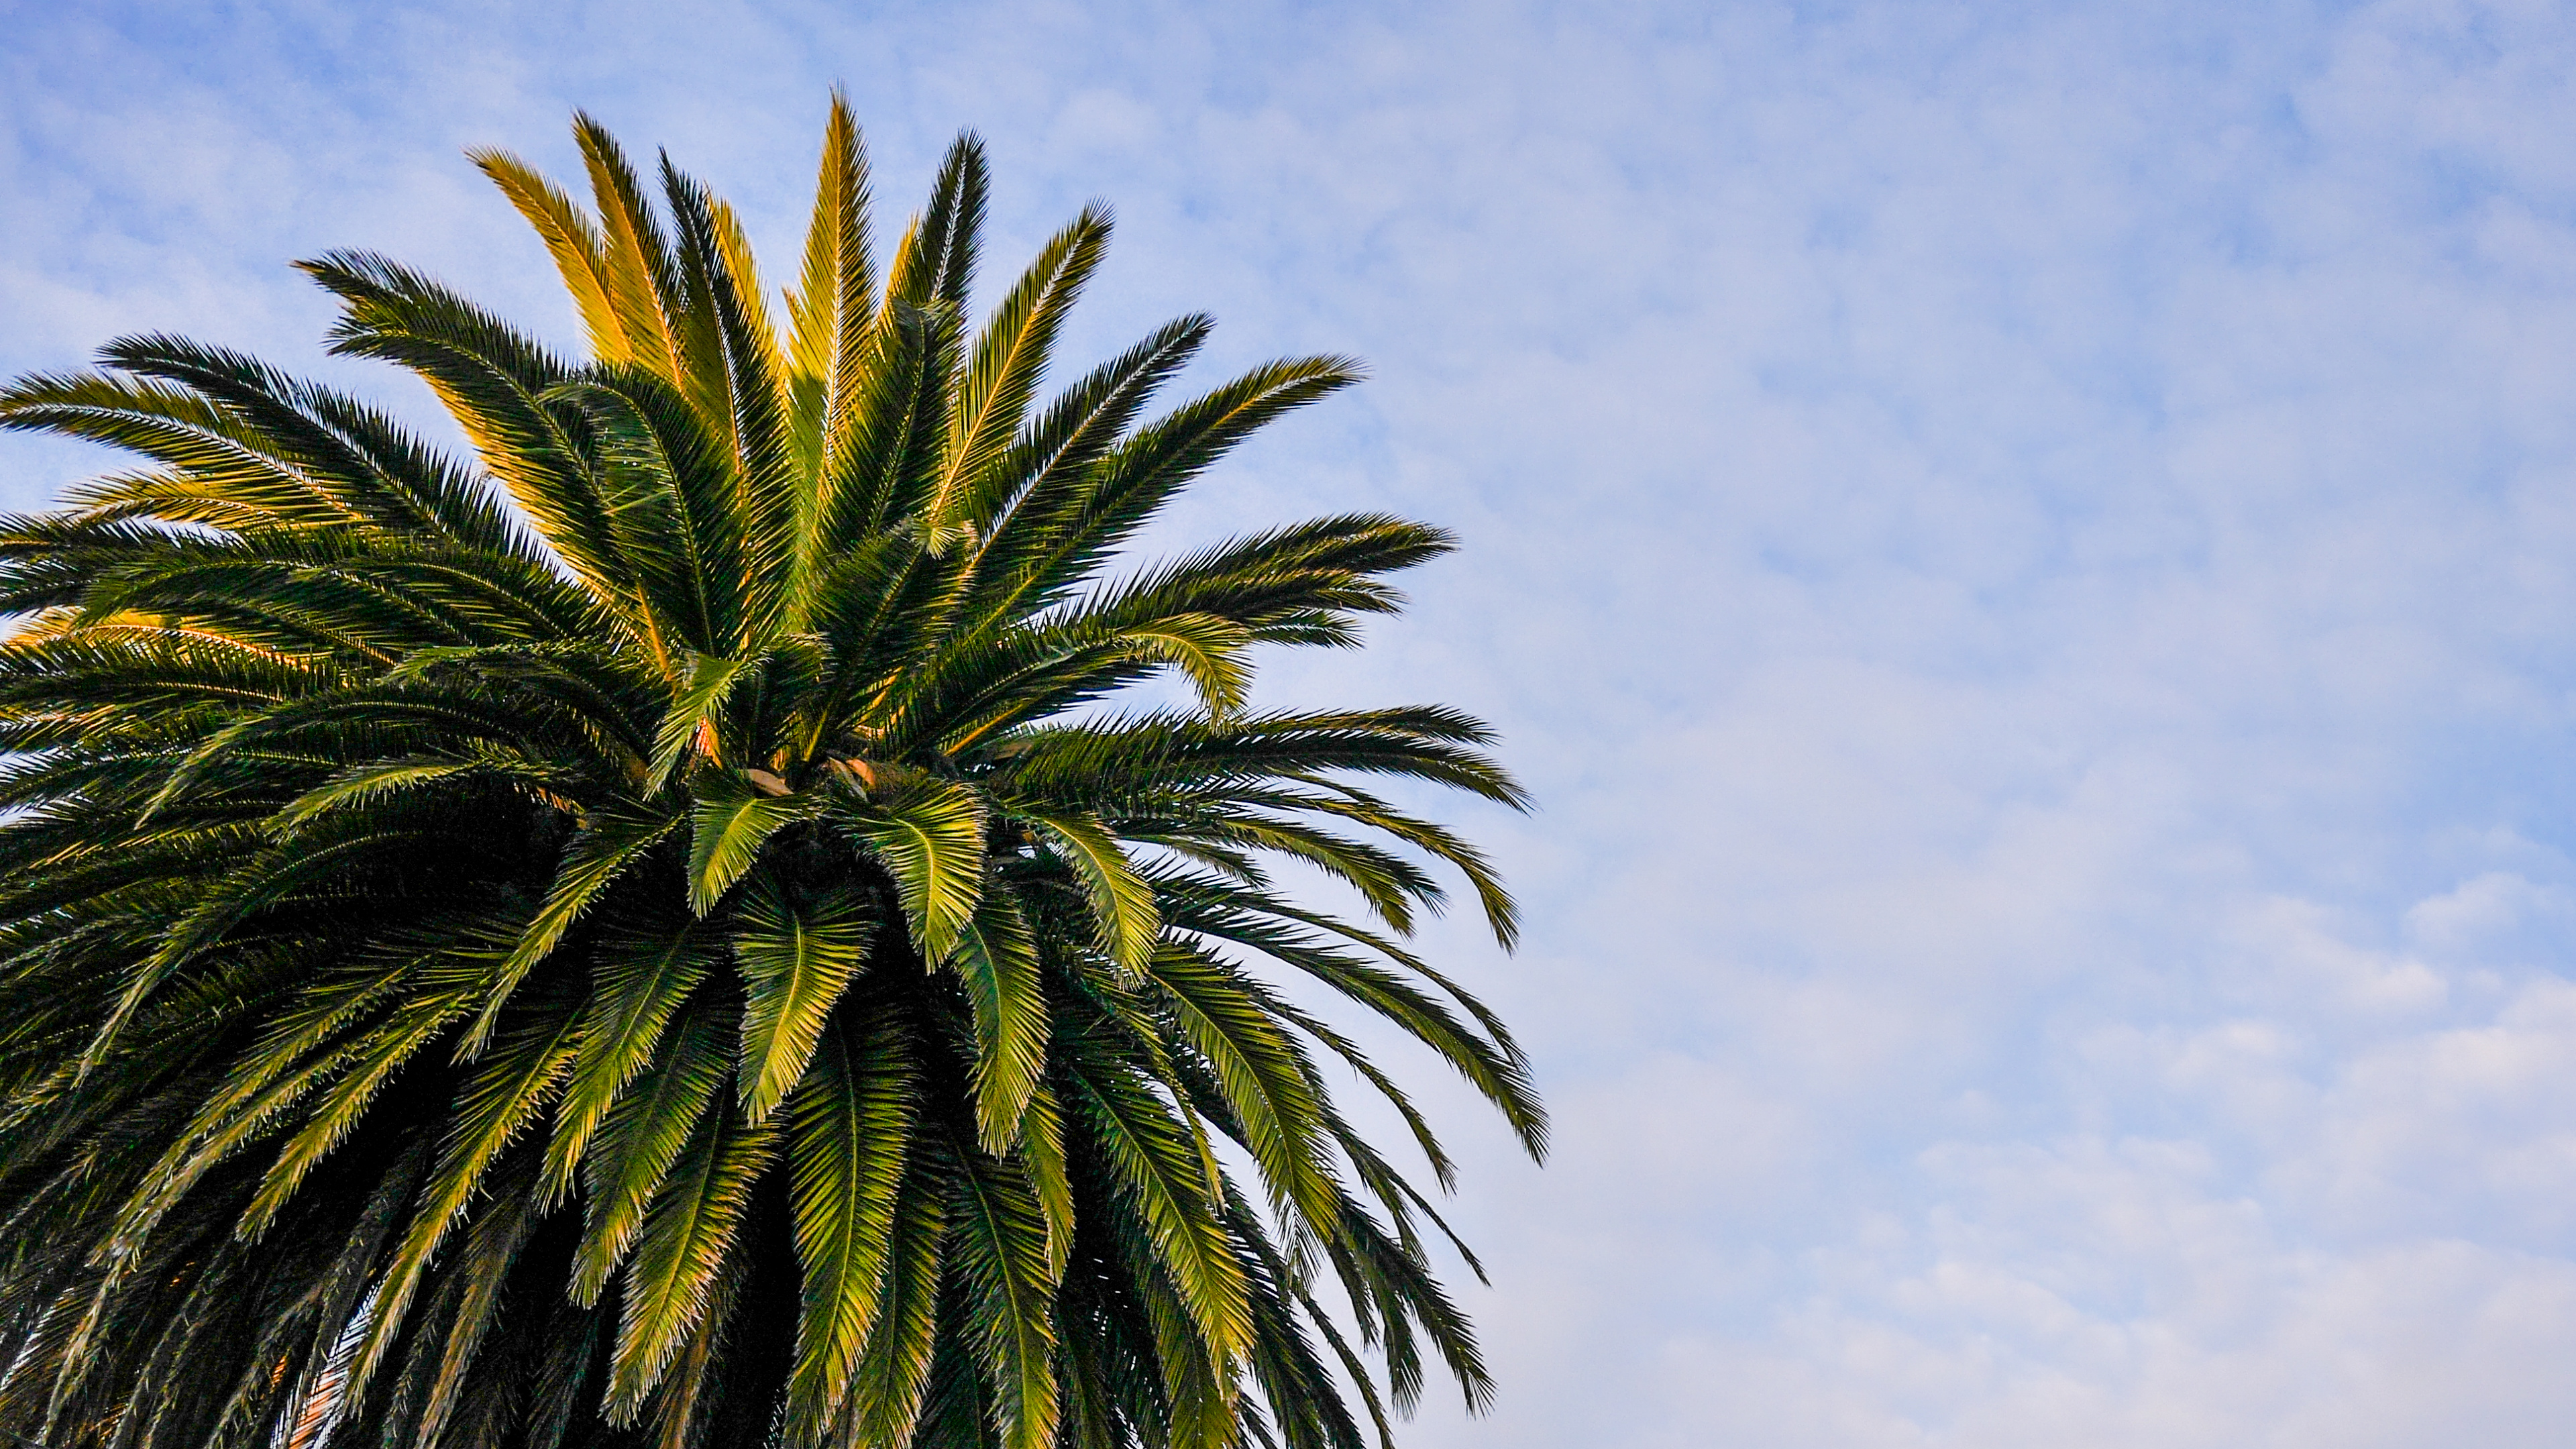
x=662 y=931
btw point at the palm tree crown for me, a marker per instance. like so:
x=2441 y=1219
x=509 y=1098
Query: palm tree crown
x=661 y=933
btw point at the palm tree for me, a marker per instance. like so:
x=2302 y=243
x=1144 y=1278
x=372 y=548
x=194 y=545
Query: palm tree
x=694 y=953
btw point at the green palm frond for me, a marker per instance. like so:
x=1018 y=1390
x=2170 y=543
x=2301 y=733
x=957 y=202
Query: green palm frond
x=662 y=931
x=851 y=1119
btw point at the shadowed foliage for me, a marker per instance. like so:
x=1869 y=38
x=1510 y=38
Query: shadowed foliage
x=662 y=932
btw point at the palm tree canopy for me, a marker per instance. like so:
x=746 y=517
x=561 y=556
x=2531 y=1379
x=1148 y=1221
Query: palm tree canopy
x=663 y=931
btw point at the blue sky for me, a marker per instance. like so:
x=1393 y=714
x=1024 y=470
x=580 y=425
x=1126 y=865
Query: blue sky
x=2028 y=553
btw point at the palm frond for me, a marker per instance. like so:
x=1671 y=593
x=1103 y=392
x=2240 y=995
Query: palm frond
x=480 y=933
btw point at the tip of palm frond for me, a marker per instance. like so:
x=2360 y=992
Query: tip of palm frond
x=343 y=261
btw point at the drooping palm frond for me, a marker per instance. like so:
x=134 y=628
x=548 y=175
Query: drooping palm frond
x=661 y=934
